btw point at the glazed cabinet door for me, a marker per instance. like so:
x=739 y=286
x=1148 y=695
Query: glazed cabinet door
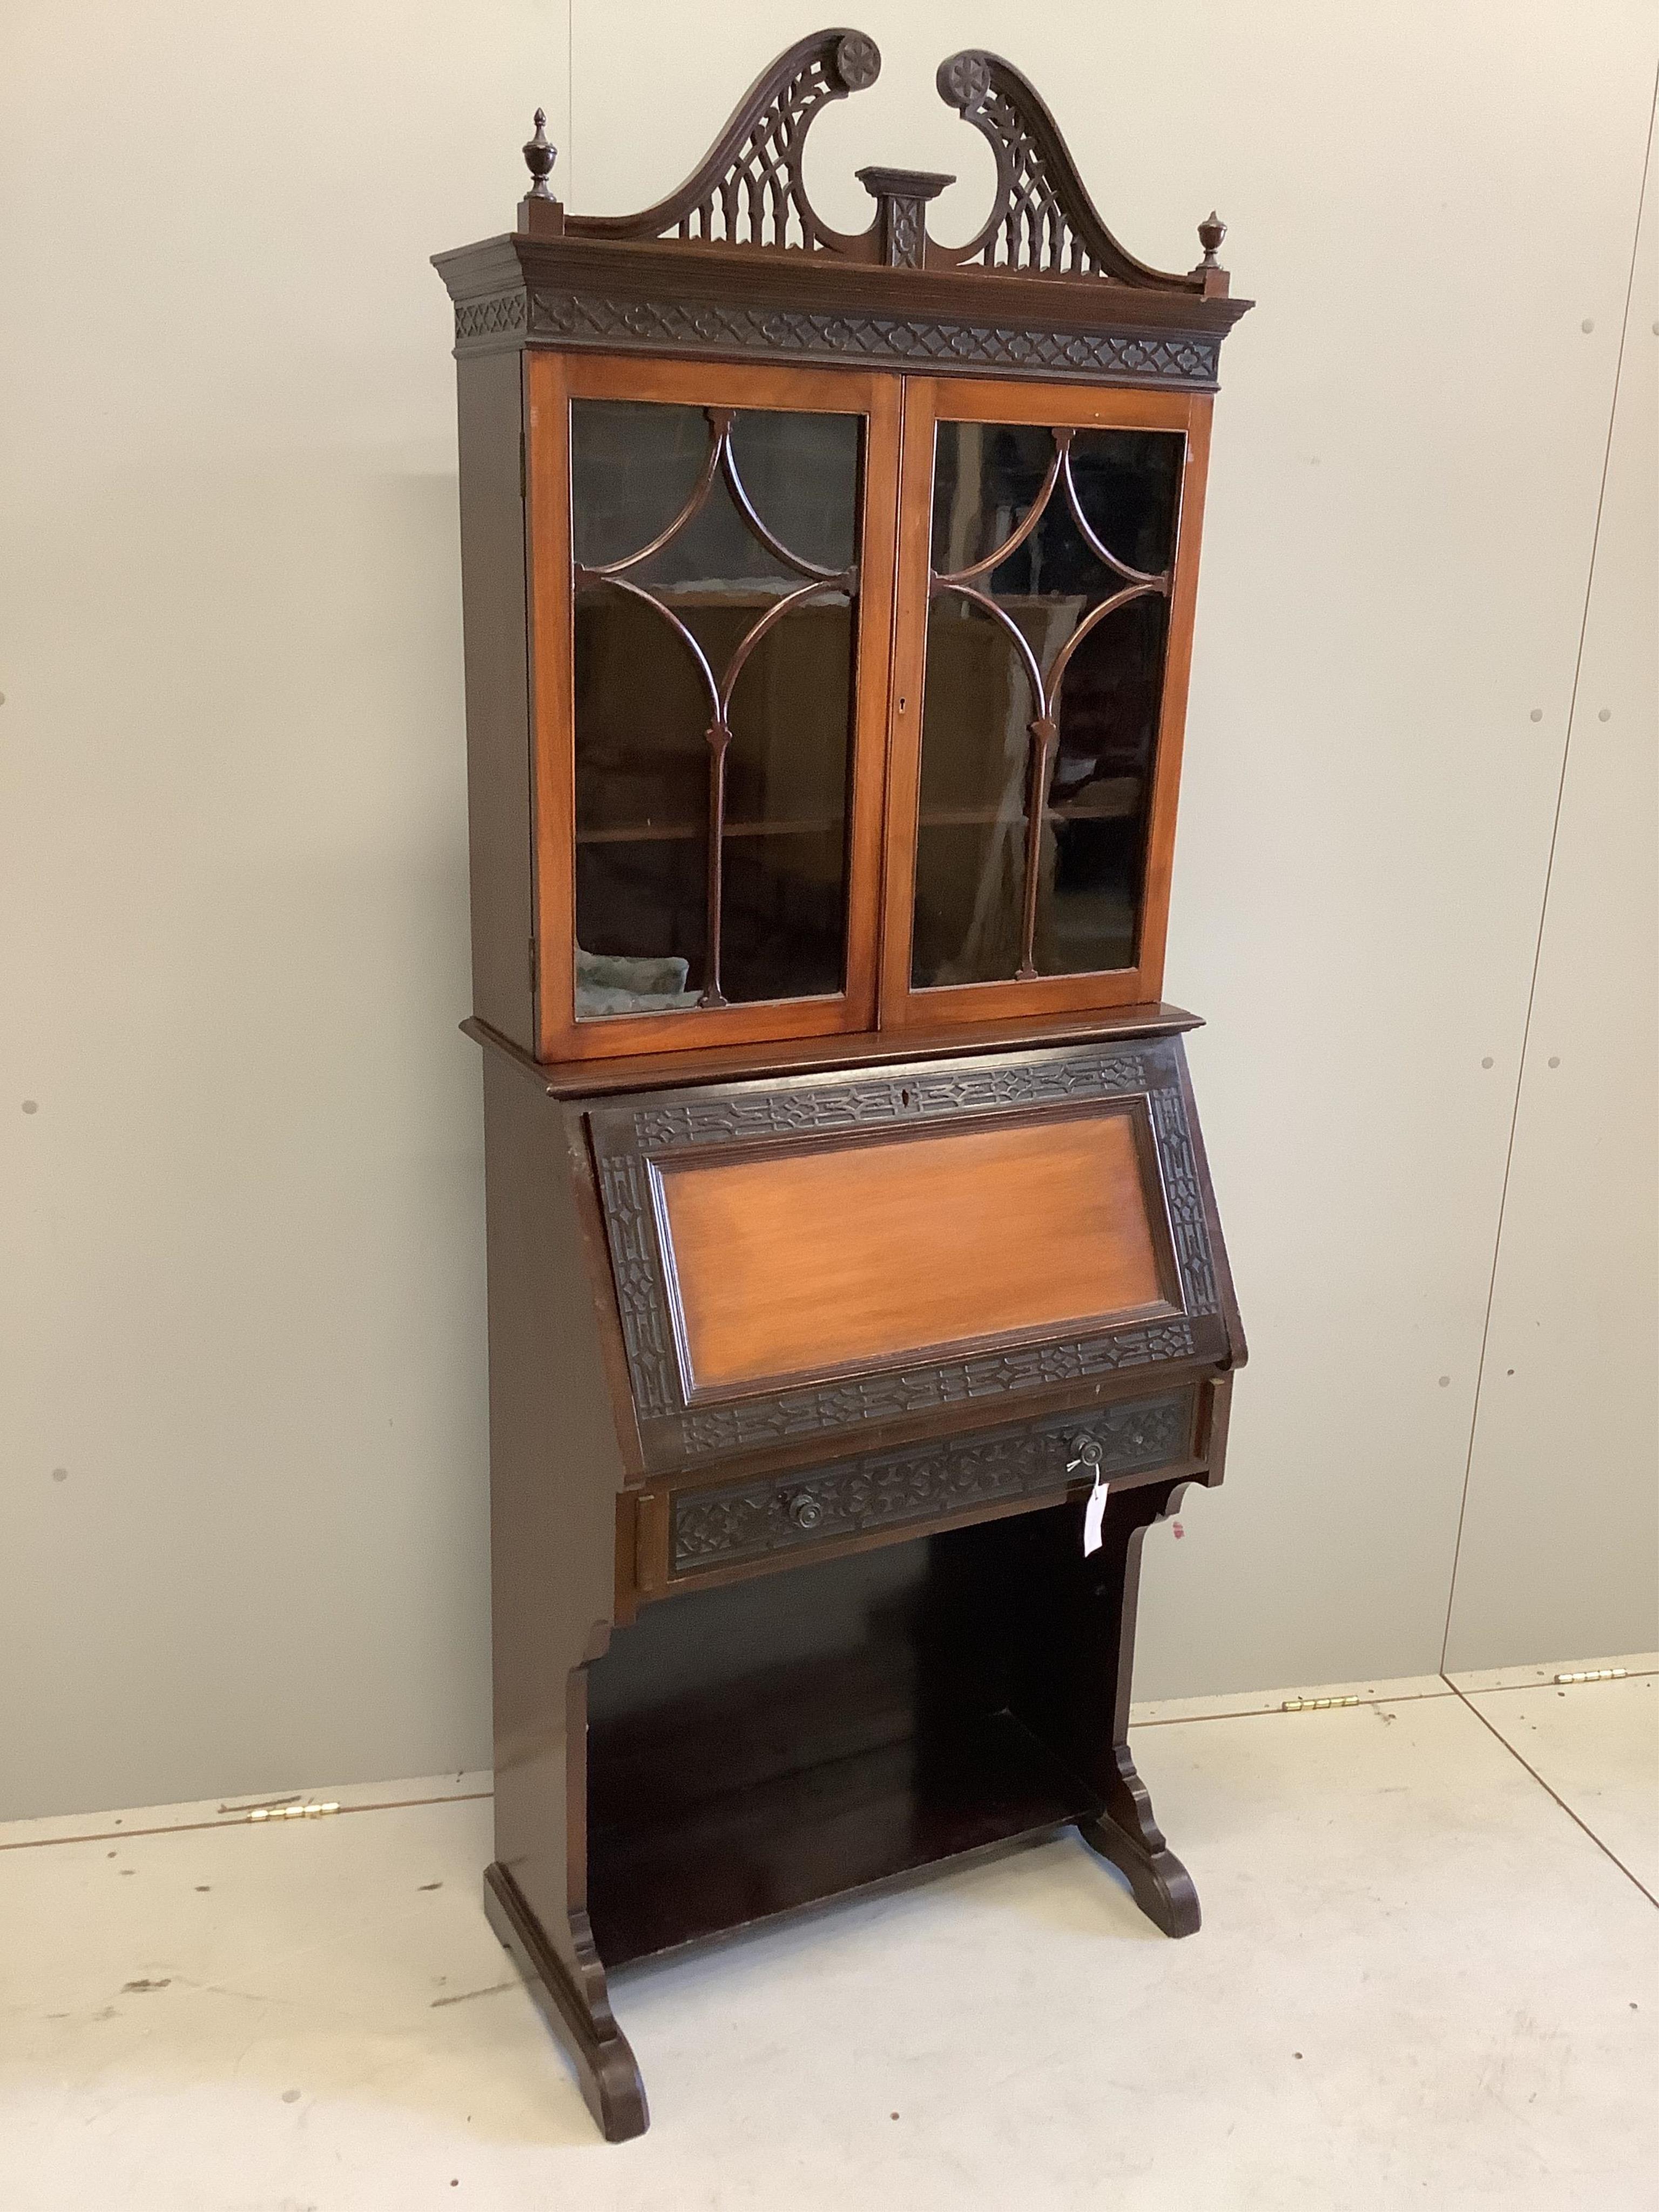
x=1047 y=568
x=711 y=565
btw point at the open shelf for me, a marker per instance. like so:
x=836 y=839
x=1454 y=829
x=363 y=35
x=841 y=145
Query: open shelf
x=761 y=1746
x=821 y=1831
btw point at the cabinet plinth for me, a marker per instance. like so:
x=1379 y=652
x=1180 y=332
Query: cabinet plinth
x=829 y=607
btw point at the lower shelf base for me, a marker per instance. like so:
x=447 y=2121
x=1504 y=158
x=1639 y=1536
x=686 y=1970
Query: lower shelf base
x=856 y=1812
x=798 y=1839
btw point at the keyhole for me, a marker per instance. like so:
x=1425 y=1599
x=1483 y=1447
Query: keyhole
x=904 y=1098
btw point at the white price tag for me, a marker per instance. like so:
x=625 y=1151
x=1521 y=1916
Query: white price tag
x=1093 y=1513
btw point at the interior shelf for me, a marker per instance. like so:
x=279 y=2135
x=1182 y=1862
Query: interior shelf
x=942 y=817
x=652 y=833
x=1113 y=809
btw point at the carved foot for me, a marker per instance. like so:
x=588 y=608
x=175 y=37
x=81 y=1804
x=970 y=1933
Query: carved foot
x=1163 y=1887
x=1126 y=1834
x=576 y=2006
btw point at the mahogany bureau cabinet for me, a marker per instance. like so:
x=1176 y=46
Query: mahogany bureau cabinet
x=856 y=1294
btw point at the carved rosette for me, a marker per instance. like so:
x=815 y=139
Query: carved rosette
x=857 y=60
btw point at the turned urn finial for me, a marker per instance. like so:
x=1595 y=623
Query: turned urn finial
x=1211 y=232
x=539 y=213
x=538 y=158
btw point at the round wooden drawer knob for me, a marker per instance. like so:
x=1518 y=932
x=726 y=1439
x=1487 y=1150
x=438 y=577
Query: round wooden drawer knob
x=806 y=1512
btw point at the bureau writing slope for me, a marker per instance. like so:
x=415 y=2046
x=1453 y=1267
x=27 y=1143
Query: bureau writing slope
x=829 y=603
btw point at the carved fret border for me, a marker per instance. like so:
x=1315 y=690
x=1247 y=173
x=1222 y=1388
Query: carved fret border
x=501 y=316
x=713 y=1117
x=626 y=1136
x=1188 y=1229
x=1186 y=359
x=828 y=1409
x=921 y=1482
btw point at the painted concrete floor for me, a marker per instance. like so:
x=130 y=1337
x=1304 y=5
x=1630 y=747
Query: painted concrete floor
x=1428 y=1975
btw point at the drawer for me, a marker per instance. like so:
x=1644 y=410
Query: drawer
x=689 y=1532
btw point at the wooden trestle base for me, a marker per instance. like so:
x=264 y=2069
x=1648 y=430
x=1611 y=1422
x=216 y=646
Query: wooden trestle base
x=827 y=1831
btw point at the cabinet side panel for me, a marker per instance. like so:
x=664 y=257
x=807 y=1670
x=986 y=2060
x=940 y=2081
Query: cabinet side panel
x=491 y=408
x=1172 y=720
x=554 y=1474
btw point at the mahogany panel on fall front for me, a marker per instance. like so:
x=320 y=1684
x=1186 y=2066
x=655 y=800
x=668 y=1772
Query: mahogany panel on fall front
x=815 y=1257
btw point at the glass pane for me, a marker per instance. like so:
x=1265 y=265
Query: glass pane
x=785 y=848
x=1022 y=688
x=642 y=779
x=685 y=658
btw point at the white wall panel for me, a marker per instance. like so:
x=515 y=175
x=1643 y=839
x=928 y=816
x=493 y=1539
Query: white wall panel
x=1561 y=1544
x=1407 y=456
x=242 y=1303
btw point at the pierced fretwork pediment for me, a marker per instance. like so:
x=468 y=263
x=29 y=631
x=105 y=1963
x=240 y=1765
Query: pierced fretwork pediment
x=1042 y=221
x=749 y=191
